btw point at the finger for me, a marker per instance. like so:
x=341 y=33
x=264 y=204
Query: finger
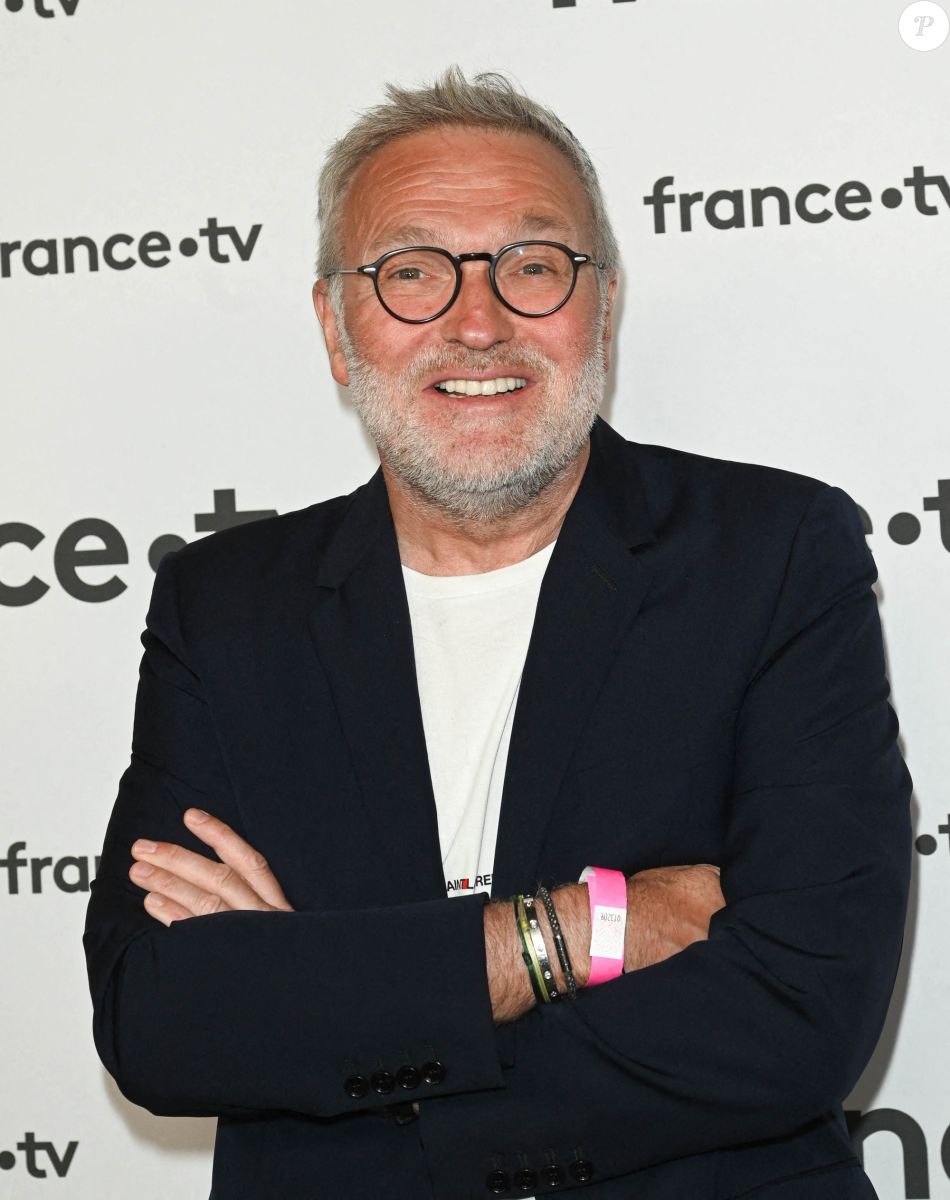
x=237 y=854
x=194 y=901
x=206 y=875
x=165 y=910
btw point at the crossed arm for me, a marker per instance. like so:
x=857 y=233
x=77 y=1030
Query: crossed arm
x=674 y=906
x=748 y=1033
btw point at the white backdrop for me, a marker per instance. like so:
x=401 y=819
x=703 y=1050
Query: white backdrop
x=132 y=394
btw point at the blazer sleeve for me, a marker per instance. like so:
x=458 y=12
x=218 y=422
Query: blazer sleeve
x=239 y=1011
x=768 y=1023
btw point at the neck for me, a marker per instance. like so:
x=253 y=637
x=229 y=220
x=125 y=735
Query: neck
x=434 y=543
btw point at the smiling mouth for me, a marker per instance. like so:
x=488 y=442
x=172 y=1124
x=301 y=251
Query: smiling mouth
x=481 y=387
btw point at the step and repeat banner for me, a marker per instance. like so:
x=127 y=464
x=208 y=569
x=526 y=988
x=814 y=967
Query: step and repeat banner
x=779 y=178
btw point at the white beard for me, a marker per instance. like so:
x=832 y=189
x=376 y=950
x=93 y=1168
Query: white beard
x=475 y=468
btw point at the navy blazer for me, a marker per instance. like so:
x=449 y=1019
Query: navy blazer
x=705 y=682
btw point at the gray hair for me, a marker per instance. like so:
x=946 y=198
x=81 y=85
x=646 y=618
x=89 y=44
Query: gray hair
x=489 y=101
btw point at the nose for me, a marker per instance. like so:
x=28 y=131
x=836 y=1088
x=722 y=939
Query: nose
x=477 y=319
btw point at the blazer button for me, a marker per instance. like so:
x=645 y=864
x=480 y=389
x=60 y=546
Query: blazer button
x=408 y=1077
x=497 y=1182
x=383 y=1082
x=582 y=1169
x=526 y=1180
x=433 y=1072
x=356 y=1086
x=552 y=1176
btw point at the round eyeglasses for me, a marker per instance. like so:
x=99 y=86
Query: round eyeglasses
x=419 y=283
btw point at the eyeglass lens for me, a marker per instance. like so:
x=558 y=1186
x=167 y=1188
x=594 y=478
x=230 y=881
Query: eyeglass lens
x=531 y=277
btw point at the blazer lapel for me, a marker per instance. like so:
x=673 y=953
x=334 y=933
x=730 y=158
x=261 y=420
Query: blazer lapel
x=590 y=596
x=363 y=638
x=361 y=630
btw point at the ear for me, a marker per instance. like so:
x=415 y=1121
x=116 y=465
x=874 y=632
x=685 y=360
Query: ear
x=608 y=322
x=331 y=332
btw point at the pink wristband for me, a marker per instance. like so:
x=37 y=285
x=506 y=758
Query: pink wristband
x=607 y=892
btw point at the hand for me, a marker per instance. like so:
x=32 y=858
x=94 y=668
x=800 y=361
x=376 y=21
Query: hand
x=182 y=884
x=669 y=908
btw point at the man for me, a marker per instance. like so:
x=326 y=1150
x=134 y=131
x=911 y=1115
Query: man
x=526 y=647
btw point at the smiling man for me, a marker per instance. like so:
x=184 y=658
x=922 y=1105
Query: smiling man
x=532 y=819
x=481 y=420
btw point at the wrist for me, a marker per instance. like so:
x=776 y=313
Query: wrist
x=509 y=985
x=607 y=897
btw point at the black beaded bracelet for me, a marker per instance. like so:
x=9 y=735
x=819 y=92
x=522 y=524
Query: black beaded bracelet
x=559 y=944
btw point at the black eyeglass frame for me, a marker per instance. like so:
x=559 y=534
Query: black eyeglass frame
x=372 y=270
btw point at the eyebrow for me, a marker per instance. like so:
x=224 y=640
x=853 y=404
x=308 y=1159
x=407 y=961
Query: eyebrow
x=536 y=223
x=395 y=239
x=528 y=225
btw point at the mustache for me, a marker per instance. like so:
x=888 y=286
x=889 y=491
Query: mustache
x=512 y=360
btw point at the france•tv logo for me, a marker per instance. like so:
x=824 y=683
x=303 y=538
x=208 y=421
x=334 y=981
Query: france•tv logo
x=42 y=9
x=39 y=1157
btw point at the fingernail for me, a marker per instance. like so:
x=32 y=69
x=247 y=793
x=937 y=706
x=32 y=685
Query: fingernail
x=196 y=815
x=154 y=900
x=142 y=870
x=143 y=846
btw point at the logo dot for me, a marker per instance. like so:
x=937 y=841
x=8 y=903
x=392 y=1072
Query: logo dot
x=13 y=6
x=164 y=544
x=892 y=197
x=903 y=528
x=926 y=844
x=188 y=247
x=7 y=1160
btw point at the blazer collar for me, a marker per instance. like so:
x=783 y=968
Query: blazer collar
x=361 y=630
x=611 y=492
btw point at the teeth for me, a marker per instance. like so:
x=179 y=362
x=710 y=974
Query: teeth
x=482 y=387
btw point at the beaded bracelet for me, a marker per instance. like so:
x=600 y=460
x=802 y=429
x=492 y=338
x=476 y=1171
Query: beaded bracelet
x=559 y=943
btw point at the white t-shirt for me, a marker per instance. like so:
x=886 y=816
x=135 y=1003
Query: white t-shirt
x=470 y=636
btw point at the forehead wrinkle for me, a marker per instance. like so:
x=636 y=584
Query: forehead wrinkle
x=512 y=228
x=518 y=229
x=436 y=193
